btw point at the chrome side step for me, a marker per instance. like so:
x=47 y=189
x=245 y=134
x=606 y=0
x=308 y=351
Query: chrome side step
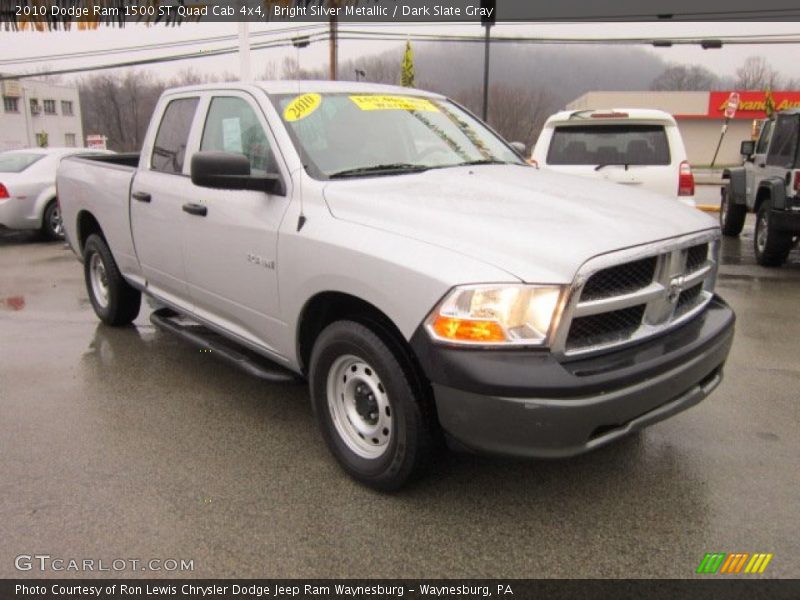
x=198 y=335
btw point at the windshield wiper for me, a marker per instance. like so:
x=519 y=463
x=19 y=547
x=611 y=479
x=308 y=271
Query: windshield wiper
x=481 y=161
x=604 y=165
x=387 y=169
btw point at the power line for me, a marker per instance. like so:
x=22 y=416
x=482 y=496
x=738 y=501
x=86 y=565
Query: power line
x=150 y=47
x=357 y=35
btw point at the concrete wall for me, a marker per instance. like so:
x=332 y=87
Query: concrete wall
x=18 y=130
x=701 y=137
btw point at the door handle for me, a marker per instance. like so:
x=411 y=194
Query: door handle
x=195 y=209
x=762 y=165
x=141 y=196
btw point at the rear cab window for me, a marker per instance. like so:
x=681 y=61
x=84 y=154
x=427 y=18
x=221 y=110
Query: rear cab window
x=621 y=144
x=169 y=149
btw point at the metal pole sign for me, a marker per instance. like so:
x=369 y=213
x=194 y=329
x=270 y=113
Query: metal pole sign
x=730 y=112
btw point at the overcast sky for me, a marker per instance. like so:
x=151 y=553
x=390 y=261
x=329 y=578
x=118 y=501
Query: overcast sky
x=723 y=61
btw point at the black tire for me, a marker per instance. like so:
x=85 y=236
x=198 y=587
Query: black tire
x=771 y=247
x=401 y=407
x=52 y=226
x=731 y=216
x=120 y=304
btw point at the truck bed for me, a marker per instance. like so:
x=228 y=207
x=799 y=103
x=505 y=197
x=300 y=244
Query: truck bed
x=99 y=185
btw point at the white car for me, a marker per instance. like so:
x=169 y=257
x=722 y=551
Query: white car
x=28 y=189
x=635 y=147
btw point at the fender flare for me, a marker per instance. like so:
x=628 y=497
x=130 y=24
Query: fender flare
x=737 y=185
x=776 y=189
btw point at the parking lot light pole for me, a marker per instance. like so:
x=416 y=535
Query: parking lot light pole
x=487 y=21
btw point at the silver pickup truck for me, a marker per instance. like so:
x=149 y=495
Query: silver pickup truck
x=390 y=248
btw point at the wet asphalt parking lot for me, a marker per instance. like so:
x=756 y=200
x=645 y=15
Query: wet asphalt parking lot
x=132 y=444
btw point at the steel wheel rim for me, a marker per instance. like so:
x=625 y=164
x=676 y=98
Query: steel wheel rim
x=723 y=214
x=99 y=280
x=761 y=234
x=360 y=408
x=56 y=225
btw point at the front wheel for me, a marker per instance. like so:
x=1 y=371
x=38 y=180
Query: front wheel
x=771 y=247
x=372 y=417
x=114 y=301
x=731 y=216
x=52 y=225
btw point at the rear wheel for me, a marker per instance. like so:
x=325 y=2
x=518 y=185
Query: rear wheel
x=52 y=226
x=771 y=247
x=374 y=421
x=114 y=301
x=731 y=216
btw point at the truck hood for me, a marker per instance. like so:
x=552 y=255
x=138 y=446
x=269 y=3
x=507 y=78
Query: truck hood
x=539 y=226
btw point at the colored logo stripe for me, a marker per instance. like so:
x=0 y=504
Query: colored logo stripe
x=733 y=563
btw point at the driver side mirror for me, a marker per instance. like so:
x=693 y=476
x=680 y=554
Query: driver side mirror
x=747 y=148
x=231 y=171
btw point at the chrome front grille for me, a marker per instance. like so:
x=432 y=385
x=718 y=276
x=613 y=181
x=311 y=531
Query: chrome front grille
x=628 y=296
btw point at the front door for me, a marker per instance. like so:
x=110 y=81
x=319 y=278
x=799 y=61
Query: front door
x=231 y=249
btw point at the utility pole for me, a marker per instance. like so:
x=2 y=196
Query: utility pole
x=244 y=51
x=334 y=27
x=487 y=20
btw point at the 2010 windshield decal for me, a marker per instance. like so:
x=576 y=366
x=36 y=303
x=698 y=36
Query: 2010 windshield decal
x=301 y=107
x=384 y=102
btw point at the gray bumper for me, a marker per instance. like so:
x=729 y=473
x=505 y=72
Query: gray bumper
x=580 y=412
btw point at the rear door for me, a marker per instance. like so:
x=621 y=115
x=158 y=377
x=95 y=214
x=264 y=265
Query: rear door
x=630 y=153
x=160 y=188
x=231 y=250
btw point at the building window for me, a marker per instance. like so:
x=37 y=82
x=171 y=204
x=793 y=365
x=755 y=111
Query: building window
x=66 y=108
x=49 y=107
x=69 y=140
x=11 y=104
x=35 y=109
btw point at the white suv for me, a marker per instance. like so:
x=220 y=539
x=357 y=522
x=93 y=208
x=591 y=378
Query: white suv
x=635 y=147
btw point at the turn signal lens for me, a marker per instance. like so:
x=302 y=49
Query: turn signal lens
x=496 y=315
x=467 y=330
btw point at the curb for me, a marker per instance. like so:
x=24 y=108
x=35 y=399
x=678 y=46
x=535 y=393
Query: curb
x=708 y=208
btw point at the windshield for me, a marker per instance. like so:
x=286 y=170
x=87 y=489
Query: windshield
x=358 y=135
x=609 y=145
x=16 y=162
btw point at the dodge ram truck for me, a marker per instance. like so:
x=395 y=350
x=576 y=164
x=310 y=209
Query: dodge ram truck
x=768 y=184
x=388 y=247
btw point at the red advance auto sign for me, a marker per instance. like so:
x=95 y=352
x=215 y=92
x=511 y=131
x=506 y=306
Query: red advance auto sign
x=751 y=104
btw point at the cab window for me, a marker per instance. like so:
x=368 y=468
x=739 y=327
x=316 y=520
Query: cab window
x=783 y=150
x=169 y=150
x=232 y=126
x=763 y=140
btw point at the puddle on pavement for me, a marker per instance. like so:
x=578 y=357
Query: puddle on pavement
x=13 y=302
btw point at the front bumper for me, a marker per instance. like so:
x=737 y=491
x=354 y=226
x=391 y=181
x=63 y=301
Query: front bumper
x=526 y=403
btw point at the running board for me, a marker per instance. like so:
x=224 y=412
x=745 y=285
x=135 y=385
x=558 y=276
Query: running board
x=198 y=335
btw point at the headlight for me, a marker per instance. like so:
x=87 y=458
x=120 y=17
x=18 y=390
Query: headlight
x=496 y=315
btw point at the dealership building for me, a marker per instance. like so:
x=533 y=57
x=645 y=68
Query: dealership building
x=37 y=113
x=700 y=116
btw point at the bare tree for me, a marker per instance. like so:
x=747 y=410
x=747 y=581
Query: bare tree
x=685 y=78
x=756 y=74
x=119 y=106
x=516 y=113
